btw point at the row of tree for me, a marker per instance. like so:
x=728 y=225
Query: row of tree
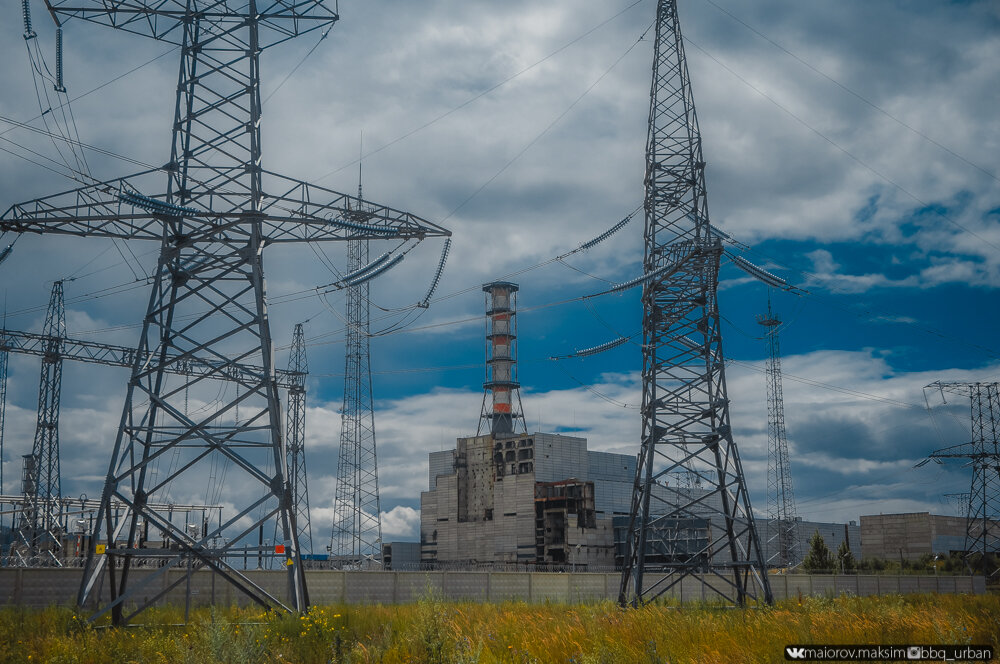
x=821 y=560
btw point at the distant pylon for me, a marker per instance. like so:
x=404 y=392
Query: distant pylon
x=357 y=518
x=502 y=412
x=782 y=538
x=3 y=398
x=38 y=535
x=296 y=438
x=982 y=529
x=685 y=407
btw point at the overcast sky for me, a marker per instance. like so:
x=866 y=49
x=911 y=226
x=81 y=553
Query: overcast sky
x=851 y=145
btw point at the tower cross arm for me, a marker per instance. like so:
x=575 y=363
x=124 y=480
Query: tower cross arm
x=33 y=343
x=303 y=212
x=298 y=212
x=961 y=451
x=163 y=20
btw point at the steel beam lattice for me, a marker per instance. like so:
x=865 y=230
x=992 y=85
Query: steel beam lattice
x=38 y=538
x=685 y=407
x=95 y=352
x=357 y=517
x=4 y=359
x=217 y=212
x=296 y=435
x=982 y=529
x=782 y=535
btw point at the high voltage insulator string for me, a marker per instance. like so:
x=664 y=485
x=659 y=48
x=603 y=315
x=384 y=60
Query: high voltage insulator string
x=759 y=273
x=586 y=352
x=368 y=275
x=365 y=268
x=425 y=302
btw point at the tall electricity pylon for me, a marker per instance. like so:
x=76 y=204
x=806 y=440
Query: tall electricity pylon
x=299 y=365
x=982 y=529
x=685 y=408
x=357 y=516
x=212 y=208
x=4 y=357
x=782 y=536
x=39 y=538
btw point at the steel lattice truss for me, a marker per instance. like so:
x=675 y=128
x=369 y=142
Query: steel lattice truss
x=782 y=538
x=218 y=210
x=296 y=437
x=38 y=537
x=94 y=352
x=982 y=530
x=357 y=516
x=4 y=358
x=685 y=409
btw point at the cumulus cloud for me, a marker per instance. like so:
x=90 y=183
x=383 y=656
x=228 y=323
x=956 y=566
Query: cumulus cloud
x=817 y=177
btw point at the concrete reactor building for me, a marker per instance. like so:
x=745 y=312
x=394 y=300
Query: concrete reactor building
x=508 y=497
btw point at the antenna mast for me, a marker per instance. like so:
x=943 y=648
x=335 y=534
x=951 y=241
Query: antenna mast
x=782 y=538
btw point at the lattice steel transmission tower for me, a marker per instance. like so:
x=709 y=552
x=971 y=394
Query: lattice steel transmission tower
x=298 y=365
x=685 y=408
x=357 y=510
x=982 y=528
x=502 y=412
x=39 y=535
x=782 y=535
x=212 y=208
x=4 y=357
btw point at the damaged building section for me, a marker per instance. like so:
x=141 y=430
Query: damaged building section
x=514 y=499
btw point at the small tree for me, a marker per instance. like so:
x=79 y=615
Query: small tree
x=819 y=558
x=845 y=558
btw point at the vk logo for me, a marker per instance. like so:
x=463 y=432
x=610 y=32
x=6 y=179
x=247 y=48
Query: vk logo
x=795 y=653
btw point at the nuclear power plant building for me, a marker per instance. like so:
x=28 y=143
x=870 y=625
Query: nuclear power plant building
x=538 y=499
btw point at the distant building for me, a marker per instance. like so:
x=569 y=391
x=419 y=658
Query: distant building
x=401 y=556
x=912 y=535
x=833 y=534
x=514 y=499
x=544 y=500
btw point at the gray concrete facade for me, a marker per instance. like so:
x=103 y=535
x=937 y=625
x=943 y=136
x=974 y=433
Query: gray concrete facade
x=909 y=536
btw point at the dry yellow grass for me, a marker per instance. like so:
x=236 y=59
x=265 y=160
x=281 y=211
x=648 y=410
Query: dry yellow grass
x=436 y=631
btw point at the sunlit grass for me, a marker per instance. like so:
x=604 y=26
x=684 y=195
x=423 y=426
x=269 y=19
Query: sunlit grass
x=437 y=631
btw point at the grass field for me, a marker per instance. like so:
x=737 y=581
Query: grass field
x=435 y=631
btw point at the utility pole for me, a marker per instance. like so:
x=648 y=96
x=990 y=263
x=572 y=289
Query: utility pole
x=212 y=208
x=40 y=529
x=299 y=365
x=782 y=538
x=357 y=509
x=982 y=525
x=685 y=408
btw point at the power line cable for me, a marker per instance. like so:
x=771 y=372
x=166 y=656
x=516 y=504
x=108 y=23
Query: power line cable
x=548 y=127
x=851 y=91
x=842 y=149
x=483 y=93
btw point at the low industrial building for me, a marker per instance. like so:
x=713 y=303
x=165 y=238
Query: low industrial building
x=833 y=534
x=544 y=500
x=525 y=498
x=910 y=536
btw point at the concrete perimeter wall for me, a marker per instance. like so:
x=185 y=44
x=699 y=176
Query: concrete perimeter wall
x=43 y=587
